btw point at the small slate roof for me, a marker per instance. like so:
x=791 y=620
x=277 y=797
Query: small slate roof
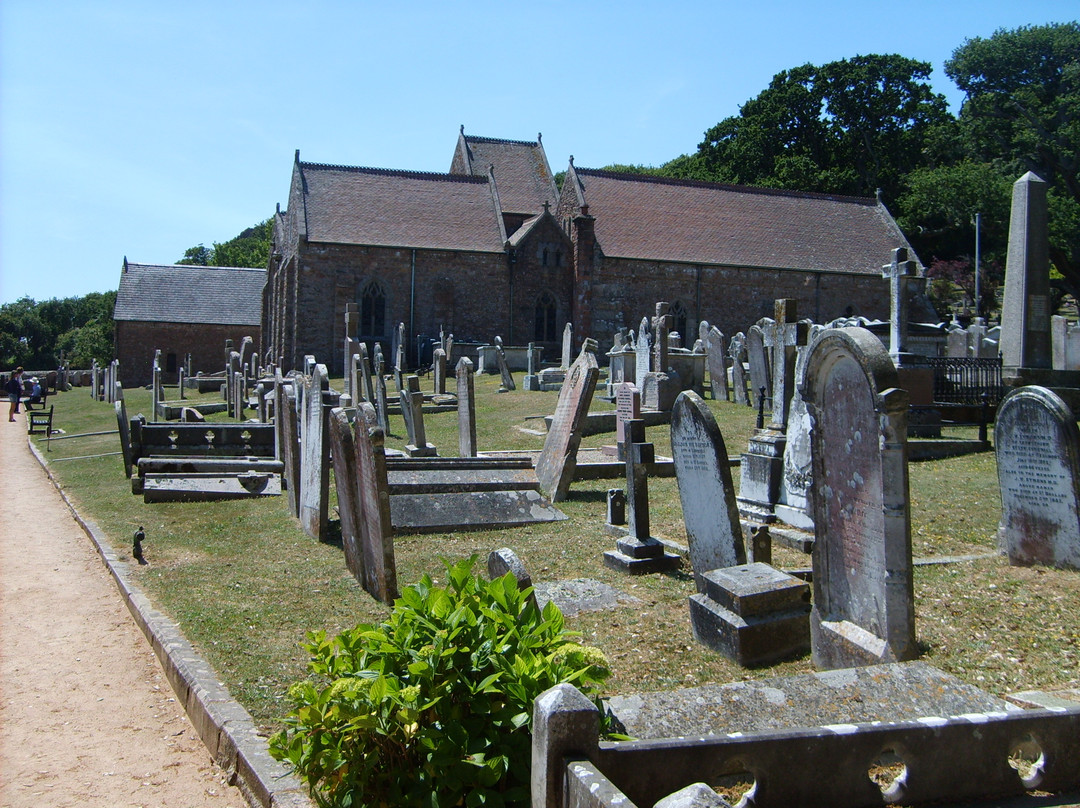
x=176 y=293
x=522 y=173
x=660 y=219
x=383 y=207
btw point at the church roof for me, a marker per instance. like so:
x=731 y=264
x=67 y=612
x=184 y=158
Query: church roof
x=383 y=207
x=522 y=173
x=178 y=293
x=661 y=219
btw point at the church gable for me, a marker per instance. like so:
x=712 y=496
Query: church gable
x=521 y=169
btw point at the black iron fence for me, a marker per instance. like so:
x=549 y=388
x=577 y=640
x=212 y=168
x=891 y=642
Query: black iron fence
x=963 y=380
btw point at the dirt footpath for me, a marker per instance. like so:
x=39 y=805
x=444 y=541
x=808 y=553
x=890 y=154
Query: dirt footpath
x=86 y=715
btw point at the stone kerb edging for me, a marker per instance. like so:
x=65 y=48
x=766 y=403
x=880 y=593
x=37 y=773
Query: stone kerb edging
x=224 y=726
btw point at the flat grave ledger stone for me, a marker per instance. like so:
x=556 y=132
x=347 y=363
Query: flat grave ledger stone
x=713 y=531
x=1038 y=460
x=557 y=460
x=864 y=609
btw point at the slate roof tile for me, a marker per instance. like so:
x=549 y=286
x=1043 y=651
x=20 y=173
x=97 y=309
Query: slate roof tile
x=654 y=218
x=177 y=293
x=384 y=207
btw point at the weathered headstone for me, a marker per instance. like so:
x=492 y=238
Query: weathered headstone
x=567 y=346
x=558 y=459
x=737 y=352
x=760 y=378
x=643 y=366
x=352 y=320
x=639 y=552
x=1038 y=461
x=155 y=403
x=506 y=377
x=703 y=473
x=627 y=408
x=616 y=506
x=343 y=451
x=796 y=489
x=717 y=355
x=661 y=325
x=124 y=427
x=367 y=387
x=864 y=608
x=532 y=380
x=438 y=371
x=376 y=535
x=1025 y=310
x=503 y=561
x=466 y=402
x=412 y=408
x=900 y=273
x=786 y=336
x=315 y=454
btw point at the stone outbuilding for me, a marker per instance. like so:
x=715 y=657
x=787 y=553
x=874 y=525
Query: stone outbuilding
x=182 y=309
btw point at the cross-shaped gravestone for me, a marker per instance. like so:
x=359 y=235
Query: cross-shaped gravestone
x=899 y=273
x=639 y=552
x=786 y=336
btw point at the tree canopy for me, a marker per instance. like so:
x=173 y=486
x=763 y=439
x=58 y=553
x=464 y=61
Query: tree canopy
x=33 y=334
x=249 y=249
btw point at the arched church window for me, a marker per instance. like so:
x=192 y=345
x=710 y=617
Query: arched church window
x=546 y=314
x=372 y=309
x=678 y=318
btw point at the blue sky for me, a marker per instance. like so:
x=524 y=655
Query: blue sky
x=142 y=129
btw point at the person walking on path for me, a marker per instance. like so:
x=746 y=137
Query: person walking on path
x=13 y=388
x=86 y=714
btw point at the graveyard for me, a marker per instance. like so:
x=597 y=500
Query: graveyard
x=246 y=583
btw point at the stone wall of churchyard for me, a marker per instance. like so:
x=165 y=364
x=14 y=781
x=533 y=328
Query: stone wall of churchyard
x=731 y=298
x=467 y=293
x=137 y=341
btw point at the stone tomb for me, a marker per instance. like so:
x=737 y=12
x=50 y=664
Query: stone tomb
x=864 y=610
x=1038 y=460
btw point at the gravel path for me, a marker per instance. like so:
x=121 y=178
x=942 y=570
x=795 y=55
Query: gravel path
x=86 y=715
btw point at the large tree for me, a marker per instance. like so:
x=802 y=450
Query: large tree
x=852 y=127
x=249 y=249
x=33 y=334
x=1022 y=109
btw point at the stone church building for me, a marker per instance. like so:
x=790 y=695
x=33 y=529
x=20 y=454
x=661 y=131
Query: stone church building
x=495 y=248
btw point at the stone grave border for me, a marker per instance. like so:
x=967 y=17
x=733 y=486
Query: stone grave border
x=223 y=725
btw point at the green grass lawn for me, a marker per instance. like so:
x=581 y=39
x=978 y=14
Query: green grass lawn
x=246 y=585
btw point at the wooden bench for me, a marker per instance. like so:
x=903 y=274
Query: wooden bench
x=39 y=423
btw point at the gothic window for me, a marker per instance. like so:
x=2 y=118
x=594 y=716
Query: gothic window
x=678 y=319
x=546 y=311
x=544 y=260
x=372 y=309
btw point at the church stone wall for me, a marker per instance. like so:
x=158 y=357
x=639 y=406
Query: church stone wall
x=136 y=342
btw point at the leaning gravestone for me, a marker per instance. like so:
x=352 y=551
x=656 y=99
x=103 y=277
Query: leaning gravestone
x=466 y=402
x=558 y=459
x=864 y=608
x=713 y=530
x=716 y=351
x=1038 y=460
x=376 y=533
x=343 y=450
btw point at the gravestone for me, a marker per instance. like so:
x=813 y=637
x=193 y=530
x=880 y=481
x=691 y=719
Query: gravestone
x=352 y=376
x=314 y=454
x=716 y=352
x=1038 y=461
x=796 y=487
x=864 y=610
x=438 y=364
x=558 y=459
x=381 y=410
x=1025 y=310
x=376 y=532
x=352 y=320
x=466 y=402
x=627 y=408
x=343 y=451
x=367 y=386
x=737 y=352
x=412 y=409
x=616 y=507
x=703 y=473
x=760 y=378
x=506 y=377
x=901 y=273
x=661 y=325
x=567 y=346
x=643 y=365
x=639 y=552
x=503 y=561
x=155 y=403
x=123 y=425
x=532 y=380
x=180 y=382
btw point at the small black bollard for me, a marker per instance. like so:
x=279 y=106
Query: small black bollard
x=761 y=408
